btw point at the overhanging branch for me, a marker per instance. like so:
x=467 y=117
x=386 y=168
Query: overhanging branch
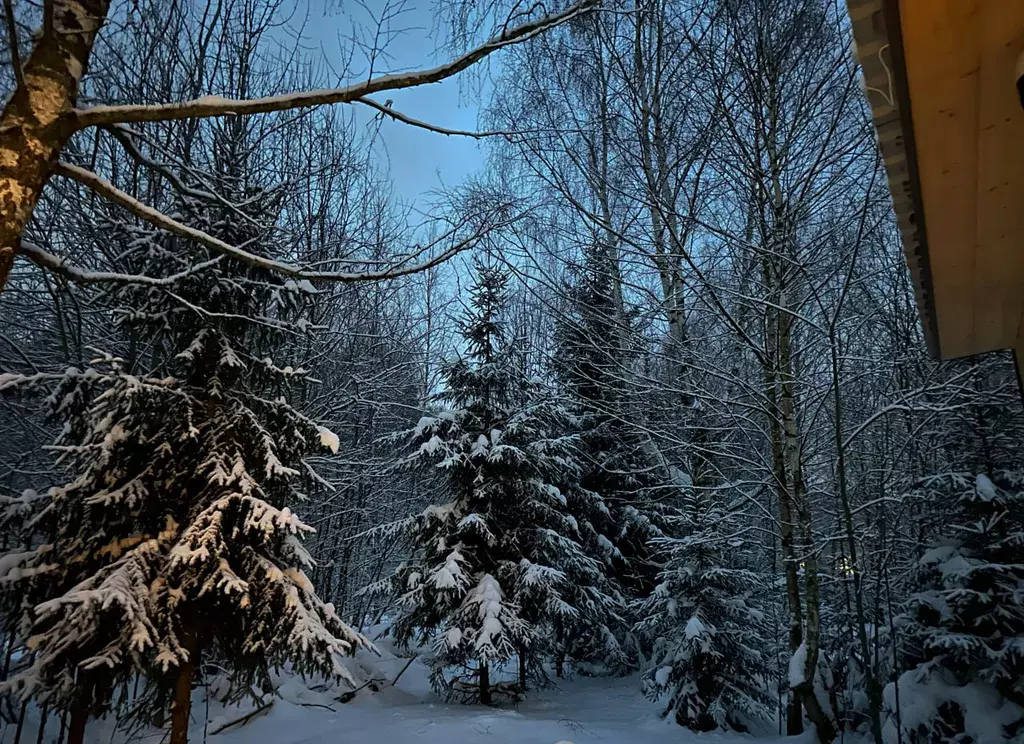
x=213 y=106
x=157 y=218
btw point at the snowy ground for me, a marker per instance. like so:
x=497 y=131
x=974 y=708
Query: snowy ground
x=579 y=711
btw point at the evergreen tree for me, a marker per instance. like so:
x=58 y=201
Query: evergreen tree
x=622 y=472
x=707 y=628
x=175 y=533
x=963 y=630
x=497 y=569
x=580 y=615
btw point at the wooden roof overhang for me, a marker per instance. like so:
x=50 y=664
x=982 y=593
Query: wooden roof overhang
x=940 y=78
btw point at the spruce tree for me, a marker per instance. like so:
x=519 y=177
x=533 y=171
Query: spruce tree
x=707 y=628
x=578 y=610
x=497 y=568
x=624 y=478
x=963 y=630
x=174 y=534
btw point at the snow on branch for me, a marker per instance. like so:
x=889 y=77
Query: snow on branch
x=155 y=217
x=211 y=106
x=58 y=265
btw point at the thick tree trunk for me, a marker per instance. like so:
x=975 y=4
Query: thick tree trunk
x=182 y=709
x=485 y=684
x=63 y=727
x=34 y=126
x=76 y=727
x=8 y=653
x=820 y=717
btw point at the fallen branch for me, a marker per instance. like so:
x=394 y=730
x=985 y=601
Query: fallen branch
x=244 y=719
x=407 y=665
x=373 y=684
x=318 y=705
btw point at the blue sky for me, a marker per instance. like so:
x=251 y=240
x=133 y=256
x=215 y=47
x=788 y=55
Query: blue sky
x=419 y=161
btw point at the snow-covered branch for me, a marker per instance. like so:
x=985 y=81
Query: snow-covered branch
x=157 y=218
x=212 y=106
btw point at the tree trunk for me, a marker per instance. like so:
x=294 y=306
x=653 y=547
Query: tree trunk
x=522 y=670
x=485 y=685
x=63 y=727
x=790 y=564
x=42 y=723
x=874 y=689
x=820 y=717
x=76 y=727
x=34 y=125
x=183 y=693
x=8 y=653
x=21 y=721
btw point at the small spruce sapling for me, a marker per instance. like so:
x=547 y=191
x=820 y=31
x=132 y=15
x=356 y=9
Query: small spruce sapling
x=707 y=629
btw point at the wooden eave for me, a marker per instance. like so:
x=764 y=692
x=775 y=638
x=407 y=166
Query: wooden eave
x=939 y=75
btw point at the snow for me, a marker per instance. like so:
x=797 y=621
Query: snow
x=487 y=594
x=797 y=664
x=694 y=628
x=985 y=713
x=329 y=439
x=422 y=425
x=450 y=575
x=584 y=710
x=985 y=488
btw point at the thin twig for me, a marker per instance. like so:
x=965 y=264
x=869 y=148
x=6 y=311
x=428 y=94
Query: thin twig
x=12 y=34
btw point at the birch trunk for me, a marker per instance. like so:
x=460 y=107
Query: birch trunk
x=821 y=718
x=34 y=125
x=790 y=563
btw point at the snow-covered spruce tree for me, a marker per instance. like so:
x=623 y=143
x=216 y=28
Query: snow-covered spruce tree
x=708 y=632
x=497 y=566
x=580 y=615
x=174 y=534
x=963 y=630
x=620 y=465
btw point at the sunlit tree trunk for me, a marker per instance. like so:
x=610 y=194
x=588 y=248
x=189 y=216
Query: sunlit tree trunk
x=34 y=126
x=182 y=709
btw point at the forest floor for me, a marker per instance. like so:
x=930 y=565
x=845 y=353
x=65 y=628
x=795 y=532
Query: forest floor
x=582 y=710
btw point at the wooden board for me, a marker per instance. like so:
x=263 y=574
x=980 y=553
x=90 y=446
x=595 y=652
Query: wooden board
x=999 y=265
x=969 y=134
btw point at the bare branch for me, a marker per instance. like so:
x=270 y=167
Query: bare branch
x=12 y=35
x=157 y=218
x=386 y=110
x=212 y=106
